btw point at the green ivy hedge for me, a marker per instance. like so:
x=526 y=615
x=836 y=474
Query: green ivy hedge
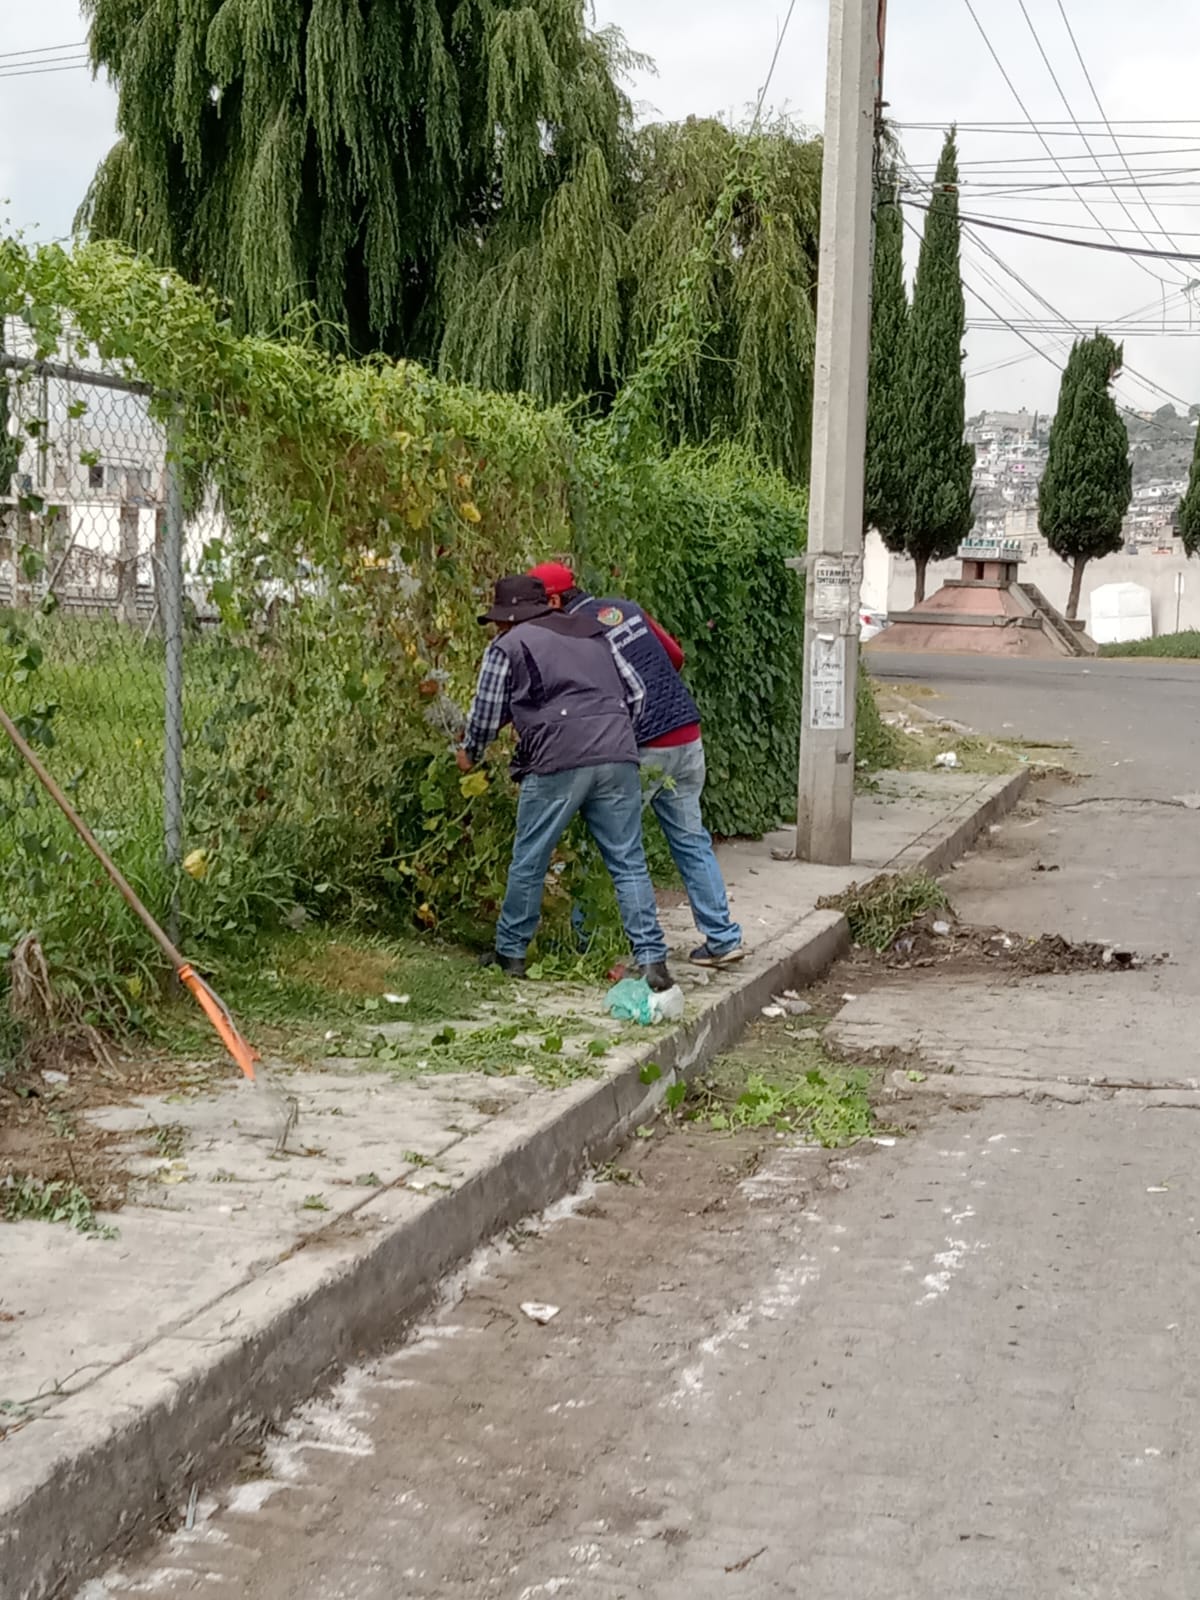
x=315 y=775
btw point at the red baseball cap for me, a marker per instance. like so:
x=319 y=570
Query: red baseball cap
x=556 y=577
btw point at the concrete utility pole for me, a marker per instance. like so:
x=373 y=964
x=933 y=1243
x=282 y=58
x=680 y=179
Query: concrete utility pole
x=835 y=532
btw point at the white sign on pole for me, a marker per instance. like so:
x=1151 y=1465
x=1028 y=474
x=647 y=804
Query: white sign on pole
x=1179 y=583
x=826 y=687
x=835 y=581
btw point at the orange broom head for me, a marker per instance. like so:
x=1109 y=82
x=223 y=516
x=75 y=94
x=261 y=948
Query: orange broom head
x=243 y=1053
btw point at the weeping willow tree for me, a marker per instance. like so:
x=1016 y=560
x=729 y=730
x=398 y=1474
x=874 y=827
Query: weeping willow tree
x=570 y=306
x=460 y=181
x=331 y=152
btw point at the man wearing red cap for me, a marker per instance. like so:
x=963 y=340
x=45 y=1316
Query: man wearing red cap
x=670 y=750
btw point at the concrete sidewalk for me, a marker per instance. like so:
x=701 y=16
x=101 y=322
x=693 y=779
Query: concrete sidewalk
x=241 y=1276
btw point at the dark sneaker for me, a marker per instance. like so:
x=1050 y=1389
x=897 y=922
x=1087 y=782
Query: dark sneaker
x=511 y=966
x=658 y=977
x=702 y=956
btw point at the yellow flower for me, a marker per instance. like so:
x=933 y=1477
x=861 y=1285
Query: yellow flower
x=470 y=511
x=196 y=865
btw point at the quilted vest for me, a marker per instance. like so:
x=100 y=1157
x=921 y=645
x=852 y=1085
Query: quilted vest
x=566 y=695
x=668 y=704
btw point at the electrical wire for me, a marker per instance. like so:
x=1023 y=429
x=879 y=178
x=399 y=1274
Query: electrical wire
x=38 y=72
x=1134 y=252
x=43 y=50
x=1013 y=90
x=1062 y=94
x=1104 y=115
x=762 y=93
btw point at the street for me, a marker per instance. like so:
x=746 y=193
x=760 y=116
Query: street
x=960 y=1361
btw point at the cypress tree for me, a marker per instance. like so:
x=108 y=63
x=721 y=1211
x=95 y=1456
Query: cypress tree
x=887 y=399
x=939 y=494
x=1086 y=487
x=1189 y=506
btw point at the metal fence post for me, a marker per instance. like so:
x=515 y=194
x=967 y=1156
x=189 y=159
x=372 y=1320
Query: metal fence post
x=172 y=627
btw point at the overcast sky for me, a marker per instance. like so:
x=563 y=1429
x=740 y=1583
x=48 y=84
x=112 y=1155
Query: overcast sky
x=711 y=59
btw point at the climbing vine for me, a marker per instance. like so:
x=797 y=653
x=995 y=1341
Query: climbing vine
x=375 y=504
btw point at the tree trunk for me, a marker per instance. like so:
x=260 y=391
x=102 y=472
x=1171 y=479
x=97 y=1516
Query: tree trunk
x=127 y=566
x=1076 y=584
x=922 y=562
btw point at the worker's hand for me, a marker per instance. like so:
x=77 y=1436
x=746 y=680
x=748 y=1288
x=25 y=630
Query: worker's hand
x=464 y=761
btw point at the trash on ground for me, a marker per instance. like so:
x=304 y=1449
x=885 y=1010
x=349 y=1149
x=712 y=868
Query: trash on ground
x=941 y=929
x=633 y=1000
x=791 y=1003
x=55 y=1077
x=539 y=1312
x=774 y=1011
x=948 y=760
x=667 y=1006
x=397 y=999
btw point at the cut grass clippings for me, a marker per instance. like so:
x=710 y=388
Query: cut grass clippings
x=879 y=911
x=781 y=1083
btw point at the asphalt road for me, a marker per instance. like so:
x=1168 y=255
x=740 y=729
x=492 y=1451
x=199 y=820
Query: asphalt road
x=1136 y=722
x=959 y=1363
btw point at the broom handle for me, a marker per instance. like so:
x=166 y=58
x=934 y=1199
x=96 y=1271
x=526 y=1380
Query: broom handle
x=120 y=883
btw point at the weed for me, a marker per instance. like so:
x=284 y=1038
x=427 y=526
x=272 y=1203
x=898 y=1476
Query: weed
x=879 y=911
x=169 y=1141
x=30 y=1200
x=556 y=1072
x=414 y=1158
x=313 y=1202
x=610 y=1172
x=369 y=1180
x=830 y=1108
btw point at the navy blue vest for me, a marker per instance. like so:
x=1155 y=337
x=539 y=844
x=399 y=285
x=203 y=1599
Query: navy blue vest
x=566 y=696
x=668 y=704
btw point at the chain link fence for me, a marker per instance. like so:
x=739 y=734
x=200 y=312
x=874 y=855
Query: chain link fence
x=92 y=617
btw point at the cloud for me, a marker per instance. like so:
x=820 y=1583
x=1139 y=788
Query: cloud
x=712 y=59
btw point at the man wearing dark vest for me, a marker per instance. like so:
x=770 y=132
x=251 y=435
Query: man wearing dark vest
x=671 y=752
x=573 y=700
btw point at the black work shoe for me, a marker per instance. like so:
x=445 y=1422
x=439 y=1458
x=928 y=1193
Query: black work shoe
x=658 y=977
x=702 y=956
x=510 y=966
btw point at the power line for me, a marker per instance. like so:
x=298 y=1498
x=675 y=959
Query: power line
x=1095 y=96
x=762 y=93
x=1134 y=252
x=1044 y=141
x=1062 y=93
x=1147 y=383
x=1031 y=126
x=43 y=50
x=39 y=72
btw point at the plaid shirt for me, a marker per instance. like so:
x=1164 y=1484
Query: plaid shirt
x=491 y=708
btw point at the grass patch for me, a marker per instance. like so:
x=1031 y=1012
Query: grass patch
x=876 y=745
x=782 y=1084
x=1183 y=646
x=879 y=911
x=304 y=984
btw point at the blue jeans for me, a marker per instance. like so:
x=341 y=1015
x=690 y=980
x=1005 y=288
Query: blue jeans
x=674 y=783
x=610 y=798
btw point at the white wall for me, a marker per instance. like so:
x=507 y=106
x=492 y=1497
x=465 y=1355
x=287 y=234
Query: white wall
x=1053 y=578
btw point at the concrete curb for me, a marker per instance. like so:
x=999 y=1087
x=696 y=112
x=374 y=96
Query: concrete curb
x=121 y=1455
x=937 y=849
